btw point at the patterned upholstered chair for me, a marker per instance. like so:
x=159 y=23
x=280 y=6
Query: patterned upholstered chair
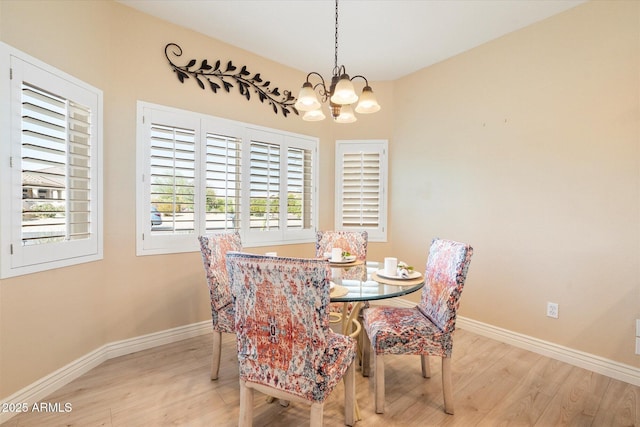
x=427 y=329
x=214 y=248
x=354 y=242
x=285 y=346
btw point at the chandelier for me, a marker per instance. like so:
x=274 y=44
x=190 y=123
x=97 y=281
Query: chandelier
x=340 y=94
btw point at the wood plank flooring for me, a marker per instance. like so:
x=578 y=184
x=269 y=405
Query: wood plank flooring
x=495 y=384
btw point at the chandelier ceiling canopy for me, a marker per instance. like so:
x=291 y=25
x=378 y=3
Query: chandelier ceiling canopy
x=341 y=94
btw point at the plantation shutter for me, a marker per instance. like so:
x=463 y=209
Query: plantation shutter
x=361 y=187
x=200 y=175
x=172 y=178
x=56 y=168
x=223 y=185
x=52 y=187
x=264 y=186
x=299 y=188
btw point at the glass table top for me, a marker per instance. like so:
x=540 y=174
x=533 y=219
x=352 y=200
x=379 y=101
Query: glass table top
x=369 y=289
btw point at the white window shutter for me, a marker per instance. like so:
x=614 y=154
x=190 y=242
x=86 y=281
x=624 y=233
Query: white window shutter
x=223 y=182
x=361 y=181
x=52 y=215
x=200 y=174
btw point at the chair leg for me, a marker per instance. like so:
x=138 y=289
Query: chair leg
x=246 y=405
x=316 y=414
x=426 y=367
x=378 y=381
x=366 y=353
x=446 y=385
x=215 y=359
x=350 y=395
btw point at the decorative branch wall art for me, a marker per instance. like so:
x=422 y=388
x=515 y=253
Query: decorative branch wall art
x=218 y=76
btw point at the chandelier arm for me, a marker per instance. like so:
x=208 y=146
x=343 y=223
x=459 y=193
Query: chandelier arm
x=366 y=82
x=339 y=71
x=313 y=73
x=321 y=86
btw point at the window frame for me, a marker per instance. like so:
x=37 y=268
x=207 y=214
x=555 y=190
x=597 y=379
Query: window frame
x=148 y=244
x=380 y=147
x=15 y=258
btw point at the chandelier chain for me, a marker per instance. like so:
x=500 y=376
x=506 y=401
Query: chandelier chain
x=335 y=67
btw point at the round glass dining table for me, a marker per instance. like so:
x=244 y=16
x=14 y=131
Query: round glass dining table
x=356 y=287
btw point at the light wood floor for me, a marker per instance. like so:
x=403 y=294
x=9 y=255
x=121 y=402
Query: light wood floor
x=494 y=385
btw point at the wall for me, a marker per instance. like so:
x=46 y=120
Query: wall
x=50 y=319
x=527 y=148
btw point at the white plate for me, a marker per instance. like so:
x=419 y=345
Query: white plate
x=344 y=260
x=412 y=275
x=331 y=285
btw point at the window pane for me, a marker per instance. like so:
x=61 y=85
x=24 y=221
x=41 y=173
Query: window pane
x=361 y=189
x=264 y=186
x=223 y=183
x=172 y=179
x=56 y=168
x=299 y=188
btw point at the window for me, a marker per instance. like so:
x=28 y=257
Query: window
x=52 y=190
x=201 y=174
x=361 y=187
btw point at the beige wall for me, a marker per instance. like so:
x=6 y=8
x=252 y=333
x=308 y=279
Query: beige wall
x=526 y=147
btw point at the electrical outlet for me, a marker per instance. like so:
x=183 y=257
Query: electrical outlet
x=637 y=345
x=552 y=310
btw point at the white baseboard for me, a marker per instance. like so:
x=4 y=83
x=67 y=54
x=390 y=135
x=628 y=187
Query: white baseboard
x=610 y=368
x=42 y=388
x=600 y=365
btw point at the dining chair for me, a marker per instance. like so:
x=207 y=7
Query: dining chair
x=354 y=242
x=214 y=248
x=286 y=348
x=427 y=329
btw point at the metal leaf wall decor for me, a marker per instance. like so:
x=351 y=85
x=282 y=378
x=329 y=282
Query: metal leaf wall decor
x=219 y=76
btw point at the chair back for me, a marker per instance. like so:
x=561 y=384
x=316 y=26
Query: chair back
x=445 y=275
x=354 y=242
x=214 y=248
x=282 y=322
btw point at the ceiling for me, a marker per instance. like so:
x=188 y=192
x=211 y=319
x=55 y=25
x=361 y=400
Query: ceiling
x=381 y=39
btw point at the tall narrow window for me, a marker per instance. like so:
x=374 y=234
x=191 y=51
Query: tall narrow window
x=361 y=187
x=223 y=184
x=54 y=147
x=264 y=186
x=299 y=188
x=56 y=168
x=172 y=179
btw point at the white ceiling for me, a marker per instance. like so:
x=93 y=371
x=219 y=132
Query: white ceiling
x=381 y=39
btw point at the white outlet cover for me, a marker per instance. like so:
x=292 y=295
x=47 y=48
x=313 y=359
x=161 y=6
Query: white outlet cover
x=552 y=310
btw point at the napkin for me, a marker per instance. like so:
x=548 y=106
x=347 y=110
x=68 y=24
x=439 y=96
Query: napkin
x=404 y=270
x=404 y=273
